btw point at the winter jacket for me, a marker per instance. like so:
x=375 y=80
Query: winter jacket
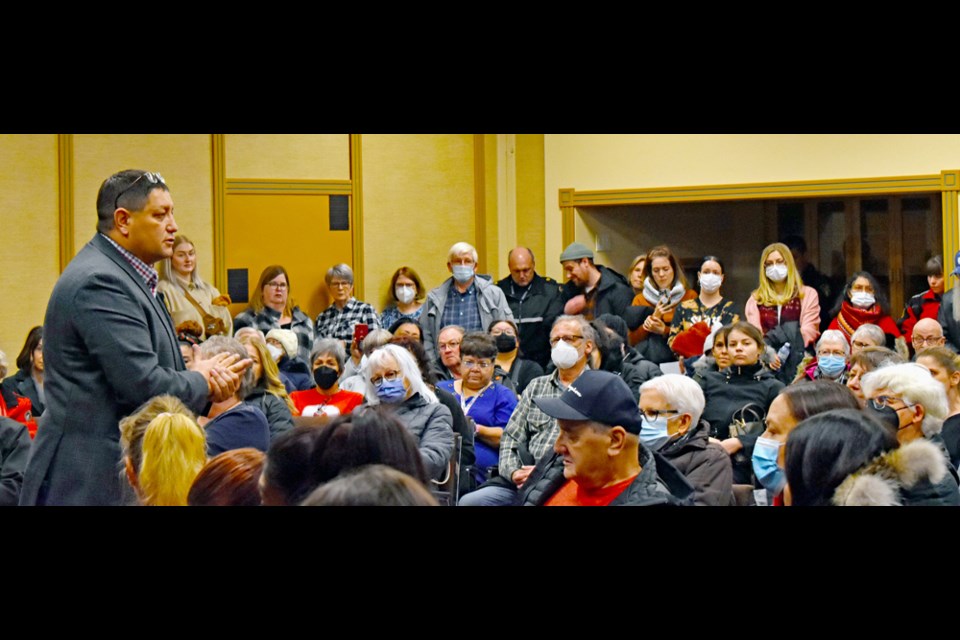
x=951 y=327
x=268 y=319
x=922 y=305
x=14 y=450
x=22 y=384
x=913 y=475
x=705 y=464
x=659 y=483
x=276 y=410
x=636 y=370
x=295 y=374
x=431 y=425
x=534 y=311
x=490 y=299
x=809 y=314
x=654 y=346
x=614 y=293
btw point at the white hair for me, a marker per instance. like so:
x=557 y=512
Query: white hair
x=914 y=384
x=680 y=392
x=835 y=335
x=871 y=332
x=461 y=248
x=408 y=369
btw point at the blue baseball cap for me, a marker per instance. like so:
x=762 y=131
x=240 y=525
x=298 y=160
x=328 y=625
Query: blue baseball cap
x=598 y=396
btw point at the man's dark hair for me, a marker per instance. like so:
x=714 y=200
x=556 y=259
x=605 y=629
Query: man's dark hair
x=128 y=189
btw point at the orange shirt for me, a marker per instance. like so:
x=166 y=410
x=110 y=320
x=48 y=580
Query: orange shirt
x=573 y=495
x=318 y=403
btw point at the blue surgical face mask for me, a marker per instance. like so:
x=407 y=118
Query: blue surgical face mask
x=832 y=366
x=765 y=466
x=653 y=433
x=392 y=392
x=462 y=272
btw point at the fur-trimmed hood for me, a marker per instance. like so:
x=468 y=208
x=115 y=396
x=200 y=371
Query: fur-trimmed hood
x=883 y=481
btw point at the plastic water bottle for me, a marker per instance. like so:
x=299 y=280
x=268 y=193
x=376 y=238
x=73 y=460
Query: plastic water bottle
x=784 y=352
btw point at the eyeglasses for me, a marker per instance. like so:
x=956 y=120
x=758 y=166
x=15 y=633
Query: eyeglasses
x=475 y=364
x=861 y=345
x=152 y=178
x=448 y=346
x=277 y=285
x=651 y=416
x=340 y=285
x=885 y=401
x=931 y=340
x=836 y=352
x=389 y=376
x=567 y=339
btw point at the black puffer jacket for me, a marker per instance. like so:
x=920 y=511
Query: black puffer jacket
x=706 y=465
x=659 y=483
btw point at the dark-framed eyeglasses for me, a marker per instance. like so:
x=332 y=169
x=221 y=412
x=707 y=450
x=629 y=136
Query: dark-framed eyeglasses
x=151 y=176
x=652 y=416
x=880 y=402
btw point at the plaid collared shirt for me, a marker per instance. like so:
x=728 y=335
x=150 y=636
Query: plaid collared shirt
x=462 y=308
x=339 y=323
x=529 y=425
x=148 y=273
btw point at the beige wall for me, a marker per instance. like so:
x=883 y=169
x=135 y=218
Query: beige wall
x=288 y=156
x=30 y=255
x=530 y=203
x=610 y=161
x=418 y=199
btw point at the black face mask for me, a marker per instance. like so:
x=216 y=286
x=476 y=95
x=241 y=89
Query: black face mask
x=887 y=416
x=325 y=377
x=506 y=343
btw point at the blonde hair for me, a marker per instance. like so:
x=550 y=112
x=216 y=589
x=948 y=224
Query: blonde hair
x=765 y=294
x=166 y=449
x=166 y=272
x=270 y=377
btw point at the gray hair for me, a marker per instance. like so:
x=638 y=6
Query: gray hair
x=914 y=384
x=461 y=248
x=835 y=335
x=374 y=340
x=222 y=344
x=409 y=369
x=342 y=271
x=586 y=329
x=871 y=332
x=680 y=392
x=329 y=347
x=253 y=331
x=3 y=365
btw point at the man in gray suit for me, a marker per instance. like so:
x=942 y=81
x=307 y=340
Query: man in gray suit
x=109 y=345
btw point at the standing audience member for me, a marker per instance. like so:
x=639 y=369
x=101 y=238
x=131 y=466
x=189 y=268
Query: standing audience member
x=925 y=304
x=862 y=302
x=268 y=393
x=463 y=299
x=163 y=451
x=326 y=398
x=272 y=307
x=535 y=302
x=394 y=380
x=598 y=460
x=187 y=296
x=517 y=371
x=670 y=407
x=531 y=433
x=374 y=485
x=407 y=292
x=230 y=423
x=231 y=479
x=448 y=345
x=636 y=273
x=944 y=366
x=949 y=314
x=28 y=380
x=284 y=347
x=825 y=287
x=696 y=318
x=868 y=359
x=652 y=312
x=109 y=345
x=346 y=312
x=591 y=289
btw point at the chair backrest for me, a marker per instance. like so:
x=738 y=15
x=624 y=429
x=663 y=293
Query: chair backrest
x=447 y=489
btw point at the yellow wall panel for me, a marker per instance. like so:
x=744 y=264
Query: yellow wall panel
x=288 y=156
x=530 y=197
x=29 y=259
x=183 y=160
x=418 y=199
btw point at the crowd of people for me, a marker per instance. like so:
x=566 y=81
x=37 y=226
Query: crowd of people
x=602 y=390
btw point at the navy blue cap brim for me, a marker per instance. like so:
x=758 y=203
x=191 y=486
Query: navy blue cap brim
x=557 y=408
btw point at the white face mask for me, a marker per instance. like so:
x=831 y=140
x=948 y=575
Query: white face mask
x=275 y=352
x=405 y=294
x=862 y=299
x=777 y=272
x=710 y=282
x=564 y=355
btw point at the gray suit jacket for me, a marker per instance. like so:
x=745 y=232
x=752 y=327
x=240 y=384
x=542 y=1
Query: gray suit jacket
x=109 y=346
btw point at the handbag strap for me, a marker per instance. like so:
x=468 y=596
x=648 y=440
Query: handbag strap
x=203 y=312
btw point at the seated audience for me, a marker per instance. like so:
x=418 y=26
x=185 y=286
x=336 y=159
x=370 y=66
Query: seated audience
x=868 y=359
x=613 y=354
x=232 y=424
x=28 y=380
x=352 y=378
x=15 y=446
x=403 y=328
x=272 y=307
x=12 y=404
x=407 y=292
x=598 y=460
x=284 y=347
x=670 y=407
x=830 y=363
x=448 y=346
x=512 y=370
x=867 y=335
x=326 y=398
x=268 y=393
x=231 y=479
x=163 y=451
x=374 y=485
x=944 y=366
